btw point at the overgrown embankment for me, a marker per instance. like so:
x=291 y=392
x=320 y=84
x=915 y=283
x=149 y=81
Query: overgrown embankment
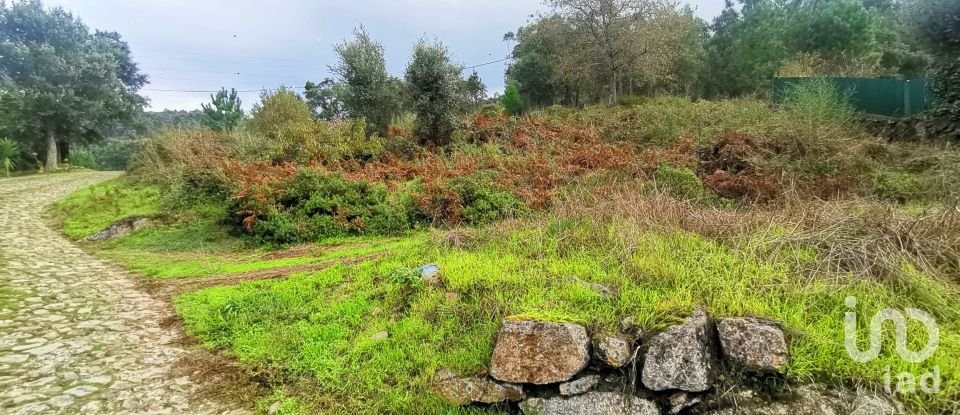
x=592 y=216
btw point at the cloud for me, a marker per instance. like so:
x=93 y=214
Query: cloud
x=189 y=45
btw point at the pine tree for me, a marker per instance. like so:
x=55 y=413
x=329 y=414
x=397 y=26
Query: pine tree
x=224 y=113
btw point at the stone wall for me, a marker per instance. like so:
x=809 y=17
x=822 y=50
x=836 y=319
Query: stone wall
x=703 y=366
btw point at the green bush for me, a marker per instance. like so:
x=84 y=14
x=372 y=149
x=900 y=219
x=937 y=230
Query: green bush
x=662 y=121
x=492 y=110
x=680 y=182
x=114 y=154
x=9 y=152
x=318 y=205
x=483 y=202
x=82 y=157
x=899 y=187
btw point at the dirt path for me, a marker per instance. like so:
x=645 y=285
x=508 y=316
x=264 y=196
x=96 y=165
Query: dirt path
x=76 y=335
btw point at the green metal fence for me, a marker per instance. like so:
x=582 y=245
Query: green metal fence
x=888 y=97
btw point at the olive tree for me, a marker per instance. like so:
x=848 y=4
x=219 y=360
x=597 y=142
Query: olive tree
x=368 y=91
x=435 y=88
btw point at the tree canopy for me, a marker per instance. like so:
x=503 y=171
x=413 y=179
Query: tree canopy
x=60 y=83
x=596 y=50
x=224 y=112
x=369 y=91
x=435 y=89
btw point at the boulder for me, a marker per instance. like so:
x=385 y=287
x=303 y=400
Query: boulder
x=612 y=351
x=683 y=357
x=578 y=386
x=753 y=344
x=539 y=352
x=867 y=403
x=593 y=403
x=121 y=228
x=466 y=390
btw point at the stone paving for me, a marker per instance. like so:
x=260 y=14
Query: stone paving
x=76 y=335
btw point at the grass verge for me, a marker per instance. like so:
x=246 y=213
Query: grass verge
x=318 y=328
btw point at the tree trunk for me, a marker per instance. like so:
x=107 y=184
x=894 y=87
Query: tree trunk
x=52 y=153
x=614 y=85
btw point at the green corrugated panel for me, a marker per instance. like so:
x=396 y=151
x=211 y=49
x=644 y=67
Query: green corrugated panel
x=889 y=97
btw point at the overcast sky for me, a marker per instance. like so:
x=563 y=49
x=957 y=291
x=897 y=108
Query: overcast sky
x=201 y=45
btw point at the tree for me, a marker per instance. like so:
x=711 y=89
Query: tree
x=537 y=69
x=277 y=111
x=475 y=89
x=511 y=100
x=938 y=27
x=608 y=33
x=746 y=49
x=434 y=87
x=224 y=112
x=369 y=92
x=59 y=83
x=325 y=99
x=587 y=53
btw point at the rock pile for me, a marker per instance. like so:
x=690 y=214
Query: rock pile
x=558 y=369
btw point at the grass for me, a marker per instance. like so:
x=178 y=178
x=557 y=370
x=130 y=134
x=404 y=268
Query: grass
x=193 y=244
x=90 y=210
x=317 y=326
x=166 y=263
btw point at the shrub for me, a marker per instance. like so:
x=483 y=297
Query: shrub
x=326 y=141
x=82 y=157
x=112 y=153
x=277 y=111
x=817 y=119
x=899 y=187
x=679 y=182
x=9 y=151
x=317 y=205
x=630 y=100
x=167 y=159
x=482 y=201
x=664 y=120
x=492 y=110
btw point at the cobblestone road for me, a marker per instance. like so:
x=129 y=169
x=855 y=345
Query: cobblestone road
x=76 y=335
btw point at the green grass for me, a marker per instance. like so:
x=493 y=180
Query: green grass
x=90 y=210
x=193 y=244
x=232 y=259
x=318 y=326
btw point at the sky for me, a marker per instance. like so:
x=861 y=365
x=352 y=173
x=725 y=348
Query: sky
x=192 y=47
